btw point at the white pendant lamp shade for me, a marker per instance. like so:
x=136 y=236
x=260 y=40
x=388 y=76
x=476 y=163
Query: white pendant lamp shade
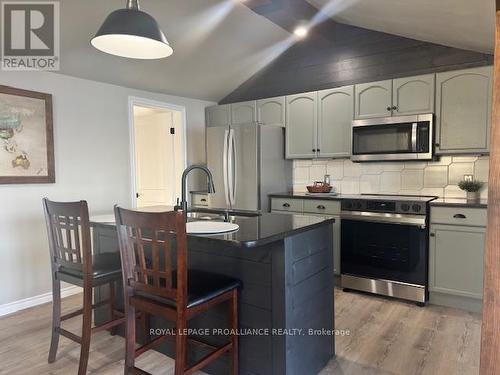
x=132 y=33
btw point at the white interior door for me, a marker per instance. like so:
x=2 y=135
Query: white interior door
x=158 y=156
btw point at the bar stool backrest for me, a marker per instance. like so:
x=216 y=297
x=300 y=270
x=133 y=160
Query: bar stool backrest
x=68 y=230
x=153 y=248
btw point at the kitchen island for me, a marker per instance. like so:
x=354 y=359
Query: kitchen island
x=286 y=312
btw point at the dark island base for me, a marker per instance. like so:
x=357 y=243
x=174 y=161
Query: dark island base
x=287 y=285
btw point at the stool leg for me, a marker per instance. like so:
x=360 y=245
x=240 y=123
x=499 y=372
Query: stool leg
x=234 y=336
x=86 y=328
x=56 y=318
x=112 y=316
x=145 y=321
x=180 y=345
x=129 y=338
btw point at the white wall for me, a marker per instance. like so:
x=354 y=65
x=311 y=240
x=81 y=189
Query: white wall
x=91 y=138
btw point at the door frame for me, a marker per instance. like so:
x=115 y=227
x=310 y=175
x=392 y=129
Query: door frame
x=150 y=103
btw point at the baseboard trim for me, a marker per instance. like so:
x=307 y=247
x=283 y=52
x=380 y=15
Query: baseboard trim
x=26 y=303
x=458 y=302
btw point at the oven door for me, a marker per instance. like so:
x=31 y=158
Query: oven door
x=380 y=250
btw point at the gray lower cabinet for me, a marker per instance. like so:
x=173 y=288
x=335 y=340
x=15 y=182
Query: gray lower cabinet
x=271 y=111
x=413 y=95
x=314 y=207
x=335 y=115
x=373 y=99
x=218 y=115
x=456 y=260
x=463 y=111
x=244 y=113
x=456 y=256
x=301 y=125
x=199 y=199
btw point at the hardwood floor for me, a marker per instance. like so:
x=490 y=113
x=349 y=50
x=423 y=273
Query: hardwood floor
x=385 y=337
x=393 y=337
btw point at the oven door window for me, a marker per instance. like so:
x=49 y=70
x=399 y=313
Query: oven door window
x=382 y=139
x=384 y=251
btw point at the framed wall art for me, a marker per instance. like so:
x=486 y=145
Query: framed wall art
x=26 y=137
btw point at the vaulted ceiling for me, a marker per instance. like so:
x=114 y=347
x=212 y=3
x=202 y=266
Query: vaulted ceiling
x=467 y=24
x=219 y=44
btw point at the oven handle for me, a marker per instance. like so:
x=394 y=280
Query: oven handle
x=379 y=217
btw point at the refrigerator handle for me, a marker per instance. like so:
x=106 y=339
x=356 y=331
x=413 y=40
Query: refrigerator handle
x=224 y=167
x=231 y=166
x=232 y=169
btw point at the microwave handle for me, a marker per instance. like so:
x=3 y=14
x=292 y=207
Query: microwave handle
x=414 y=137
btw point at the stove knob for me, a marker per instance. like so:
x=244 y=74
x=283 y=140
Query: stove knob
x=405 y=206
x=416 y=208
x=358 y=205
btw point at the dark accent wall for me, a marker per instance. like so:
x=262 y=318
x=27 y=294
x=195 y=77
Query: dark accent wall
x=351 y=55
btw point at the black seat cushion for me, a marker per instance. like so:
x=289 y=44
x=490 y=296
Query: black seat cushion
x=202 y=287
x=104 y=266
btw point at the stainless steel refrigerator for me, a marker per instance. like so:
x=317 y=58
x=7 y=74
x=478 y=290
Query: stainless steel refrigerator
x=248 y=163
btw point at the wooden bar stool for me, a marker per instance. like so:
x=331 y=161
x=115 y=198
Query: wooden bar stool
x=156 y=284
x=72 y=261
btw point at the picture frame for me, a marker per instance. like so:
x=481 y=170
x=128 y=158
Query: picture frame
x=26 y=137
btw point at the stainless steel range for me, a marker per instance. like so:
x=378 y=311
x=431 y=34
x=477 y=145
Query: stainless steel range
x=384 y=245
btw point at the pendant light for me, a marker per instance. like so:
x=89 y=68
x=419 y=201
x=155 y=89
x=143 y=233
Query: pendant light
x=132 y=33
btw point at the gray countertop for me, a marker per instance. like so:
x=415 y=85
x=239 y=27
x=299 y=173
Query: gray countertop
x=459 y=202
x=339 y=197
x=253 y=231
x=445 y=202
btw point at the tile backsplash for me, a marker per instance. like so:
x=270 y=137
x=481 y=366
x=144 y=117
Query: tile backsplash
x=414 y=178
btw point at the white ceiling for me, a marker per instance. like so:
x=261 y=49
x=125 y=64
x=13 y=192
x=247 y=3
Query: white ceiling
x=467 y=24
x=218 y=45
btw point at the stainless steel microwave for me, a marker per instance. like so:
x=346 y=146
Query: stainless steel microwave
x=393 y=138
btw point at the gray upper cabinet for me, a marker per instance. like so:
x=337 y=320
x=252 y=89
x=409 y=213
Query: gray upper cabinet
x=413 y=95
x=373 y=99
x=244 y=113
x=335 y=115
x=218 y=115
x=463 y=111
x=271 y=111
x=301 y=125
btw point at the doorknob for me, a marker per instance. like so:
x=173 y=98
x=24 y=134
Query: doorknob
x=137 y=195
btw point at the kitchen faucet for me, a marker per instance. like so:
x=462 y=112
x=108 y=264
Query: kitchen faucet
x=183 y=205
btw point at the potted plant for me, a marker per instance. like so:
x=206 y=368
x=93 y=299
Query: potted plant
x=472 y=188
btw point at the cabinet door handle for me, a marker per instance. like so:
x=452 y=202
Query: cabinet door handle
x=437 y=144
x=459 y=216
x=313 y=150
x=286 y=205
x=432 y=234
x=203 y=200
x=394 y=108
x=320 y=207
x=389 y=109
